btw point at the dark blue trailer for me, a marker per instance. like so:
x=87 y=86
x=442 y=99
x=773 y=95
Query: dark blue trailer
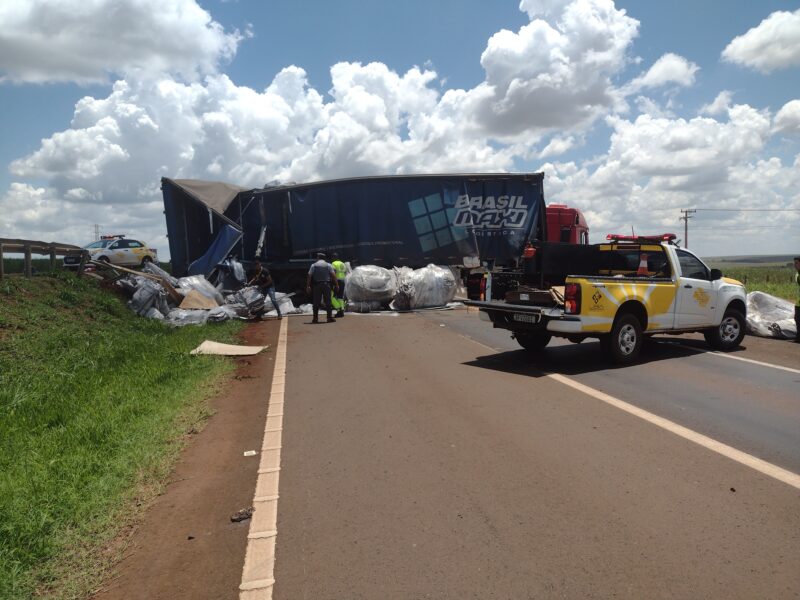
x=398 y=220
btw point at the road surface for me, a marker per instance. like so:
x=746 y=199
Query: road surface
x=425 y=456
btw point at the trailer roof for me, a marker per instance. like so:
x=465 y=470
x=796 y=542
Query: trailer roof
x=294 y=186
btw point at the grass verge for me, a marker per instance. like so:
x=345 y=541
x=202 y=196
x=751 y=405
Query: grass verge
x=94 y=403
x=775 y=280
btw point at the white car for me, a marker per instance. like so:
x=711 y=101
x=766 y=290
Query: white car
x=116 y=250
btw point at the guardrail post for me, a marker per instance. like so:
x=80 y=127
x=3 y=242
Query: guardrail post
x=2 y=263
x=52 y=257
x=28 y=272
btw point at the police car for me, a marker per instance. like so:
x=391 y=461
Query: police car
x=115 y=250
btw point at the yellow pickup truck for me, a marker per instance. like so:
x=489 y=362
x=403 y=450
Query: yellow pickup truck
x=633 y=286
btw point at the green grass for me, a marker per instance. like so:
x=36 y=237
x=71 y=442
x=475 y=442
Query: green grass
x=774 y=280
x=94 y=403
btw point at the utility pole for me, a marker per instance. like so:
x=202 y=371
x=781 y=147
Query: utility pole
x=687 y=214
x=96 y=231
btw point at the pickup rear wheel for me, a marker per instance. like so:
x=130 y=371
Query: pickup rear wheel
x=729 y=333
x=625 y=341
x=533 y=342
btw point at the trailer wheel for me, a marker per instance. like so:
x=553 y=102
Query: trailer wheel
x=626 y=339
x=533 y=342
x=730 y=332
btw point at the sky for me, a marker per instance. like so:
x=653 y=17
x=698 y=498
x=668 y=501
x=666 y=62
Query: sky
x=633 y=110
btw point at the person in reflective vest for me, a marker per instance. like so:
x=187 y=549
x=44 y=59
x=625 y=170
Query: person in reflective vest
x=321 y=278
x=338 y=300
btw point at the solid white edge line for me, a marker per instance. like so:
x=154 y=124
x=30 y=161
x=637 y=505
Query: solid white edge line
x=757 y=464
x=259 y=562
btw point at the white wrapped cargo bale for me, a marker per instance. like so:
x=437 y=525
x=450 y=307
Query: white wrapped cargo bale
x=370 y=283
x=424 y=288
x=768 y=316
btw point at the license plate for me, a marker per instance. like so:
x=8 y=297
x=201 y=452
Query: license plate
x=526 y=318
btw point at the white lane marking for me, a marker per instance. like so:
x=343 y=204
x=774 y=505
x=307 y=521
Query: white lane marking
x=259 y=560
x=730 y=452
x=762 y=466
x=734 y=357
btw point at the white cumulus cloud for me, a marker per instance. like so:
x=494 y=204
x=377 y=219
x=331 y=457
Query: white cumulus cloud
x=788 y=118
x=86 y=40
x=773 y=44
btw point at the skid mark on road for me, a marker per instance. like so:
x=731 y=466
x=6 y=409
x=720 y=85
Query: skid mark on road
x=259 y=562
x=757 y=464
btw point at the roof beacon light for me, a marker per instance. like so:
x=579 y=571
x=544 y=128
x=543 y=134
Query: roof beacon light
x=664 y=237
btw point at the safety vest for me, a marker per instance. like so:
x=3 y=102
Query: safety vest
x=340 y=268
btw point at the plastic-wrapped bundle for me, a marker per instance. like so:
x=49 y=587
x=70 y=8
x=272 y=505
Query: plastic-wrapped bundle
x=230 y=274
x=202 y=285
x=424 y=288
x=364 y=306
x=370 y=283
x=153 y=268
x=249 y=296
x=222 y=313
x=284 y=301
x=148 y=294
x=769 y=316
x=178 y=317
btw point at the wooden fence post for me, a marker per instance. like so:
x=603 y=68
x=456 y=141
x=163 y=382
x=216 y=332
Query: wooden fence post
x=2 y=262
x=28 y=272
x=52 y=257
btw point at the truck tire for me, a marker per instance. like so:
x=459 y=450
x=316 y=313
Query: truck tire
x=625 y=341
x=533 y=342
x=729 y=333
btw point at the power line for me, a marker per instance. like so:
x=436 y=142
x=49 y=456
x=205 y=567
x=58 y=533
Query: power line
x=749 y=209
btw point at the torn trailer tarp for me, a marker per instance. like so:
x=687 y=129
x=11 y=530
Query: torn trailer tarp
x=226 y=239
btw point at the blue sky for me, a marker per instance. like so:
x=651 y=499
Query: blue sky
x=630 y=138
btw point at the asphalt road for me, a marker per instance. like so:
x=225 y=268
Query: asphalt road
x=424 y=456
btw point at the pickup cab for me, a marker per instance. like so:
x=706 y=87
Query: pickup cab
x=634 y=286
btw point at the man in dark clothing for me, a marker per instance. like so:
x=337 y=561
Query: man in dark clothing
x=262 y=278
x=321 y=278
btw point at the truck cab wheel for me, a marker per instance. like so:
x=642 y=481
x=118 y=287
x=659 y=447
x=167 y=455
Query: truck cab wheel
x=625 y=341
x=729 y=333
x=533 y=342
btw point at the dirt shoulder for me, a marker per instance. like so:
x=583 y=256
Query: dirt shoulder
x=187 y=546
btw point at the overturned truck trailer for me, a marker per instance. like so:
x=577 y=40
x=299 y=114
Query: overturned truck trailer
x=403 y=220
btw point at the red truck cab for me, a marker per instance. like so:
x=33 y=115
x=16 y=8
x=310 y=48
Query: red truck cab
x=565 y=224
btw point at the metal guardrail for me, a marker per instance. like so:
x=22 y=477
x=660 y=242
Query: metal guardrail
x=30 y=247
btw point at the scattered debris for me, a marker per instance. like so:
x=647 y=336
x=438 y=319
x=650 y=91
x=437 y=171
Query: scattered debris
x=209 y=347
x=249 y=453
x=243 y=515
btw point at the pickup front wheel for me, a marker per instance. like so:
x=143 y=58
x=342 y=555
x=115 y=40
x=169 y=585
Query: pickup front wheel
x=533 y=341
x=625 y=341
x=729 y=333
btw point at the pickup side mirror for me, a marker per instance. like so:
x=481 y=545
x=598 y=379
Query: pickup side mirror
x=716 y=274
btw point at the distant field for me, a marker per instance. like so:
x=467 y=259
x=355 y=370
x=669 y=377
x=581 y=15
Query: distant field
x=774 y=280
